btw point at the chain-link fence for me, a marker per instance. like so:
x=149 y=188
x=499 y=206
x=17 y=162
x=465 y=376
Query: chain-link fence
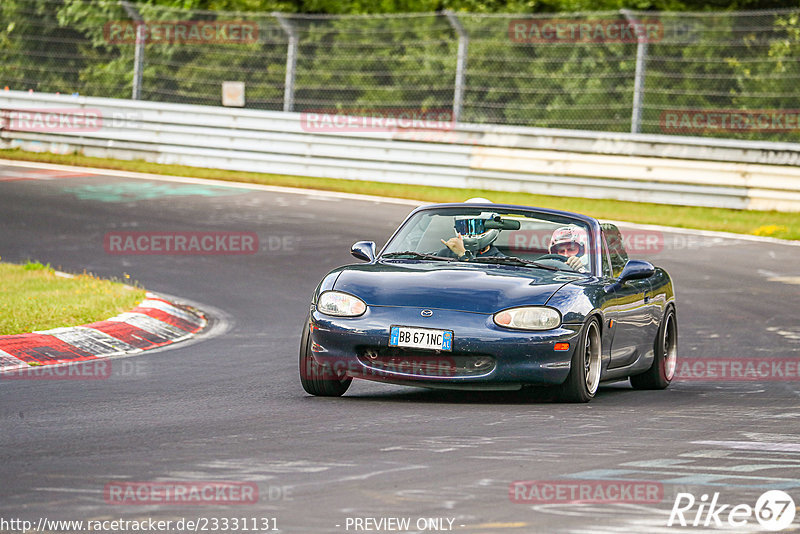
x=731 y=74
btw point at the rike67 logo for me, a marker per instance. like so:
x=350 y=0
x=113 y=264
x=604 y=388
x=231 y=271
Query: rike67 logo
x=774 y=510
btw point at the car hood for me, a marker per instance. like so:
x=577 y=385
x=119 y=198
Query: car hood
x=478 y=288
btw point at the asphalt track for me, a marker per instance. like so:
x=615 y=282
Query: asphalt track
x=230 y=407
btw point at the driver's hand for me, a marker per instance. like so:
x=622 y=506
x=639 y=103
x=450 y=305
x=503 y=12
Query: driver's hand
x=456 y=244
x=575 y=264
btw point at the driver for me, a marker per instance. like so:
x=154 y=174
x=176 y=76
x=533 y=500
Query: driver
x=571 y=241
x=472 y=239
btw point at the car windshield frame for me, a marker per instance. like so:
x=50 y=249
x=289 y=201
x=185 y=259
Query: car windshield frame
x=556 y=216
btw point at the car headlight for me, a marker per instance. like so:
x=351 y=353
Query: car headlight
x=529 y=318
x=341 y=304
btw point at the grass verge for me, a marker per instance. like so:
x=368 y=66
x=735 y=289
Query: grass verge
x=767 y=223
x=33 y=297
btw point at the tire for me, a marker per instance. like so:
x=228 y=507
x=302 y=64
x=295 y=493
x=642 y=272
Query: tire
x=316 y=379
x=665 y=356
x=584 y=376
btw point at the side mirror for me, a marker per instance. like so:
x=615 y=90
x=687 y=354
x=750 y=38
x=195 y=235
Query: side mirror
x=636 y=270
x=363 y=250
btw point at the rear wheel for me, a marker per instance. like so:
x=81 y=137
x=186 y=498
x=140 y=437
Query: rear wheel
x=584 y=375
x=665 y=356
x=315 y=378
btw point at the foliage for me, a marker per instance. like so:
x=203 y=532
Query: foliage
x=702 y=61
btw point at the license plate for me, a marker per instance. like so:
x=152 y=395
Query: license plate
x=420 y=338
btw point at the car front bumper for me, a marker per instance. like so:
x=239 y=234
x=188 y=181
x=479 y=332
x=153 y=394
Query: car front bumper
x=483 y=356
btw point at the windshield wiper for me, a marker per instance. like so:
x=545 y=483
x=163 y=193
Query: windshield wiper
x=513 y=260
x=415 y=255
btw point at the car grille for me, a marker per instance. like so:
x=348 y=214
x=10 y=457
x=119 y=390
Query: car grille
x=425 y=363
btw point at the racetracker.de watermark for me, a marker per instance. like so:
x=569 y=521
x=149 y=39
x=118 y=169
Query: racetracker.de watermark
x=738 y=369
x=181 y=243
x=65 y=120
x=555 y=31
x=684 y=121
x=376 y=120
x=585 y=491
x=88 y=370
x=441 y=366
x=181 y=32
x=180 y=493
x=53 y=120
x=634 y=241
x=639 y=242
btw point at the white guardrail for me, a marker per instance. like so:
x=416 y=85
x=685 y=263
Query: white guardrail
x=664 y=169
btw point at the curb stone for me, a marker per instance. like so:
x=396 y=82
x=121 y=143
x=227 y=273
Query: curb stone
x=155 y=322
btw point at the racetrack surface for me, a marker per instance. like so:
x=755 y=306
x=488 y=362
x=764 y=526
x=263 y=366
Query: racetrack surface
x=230 y=406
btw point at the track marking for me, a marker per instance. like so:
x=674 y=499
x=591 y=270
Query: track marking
x=753 y=445
x=208 y=181
x=131 y=192
x=794 y=280
x=318 y=194
x=40 y=174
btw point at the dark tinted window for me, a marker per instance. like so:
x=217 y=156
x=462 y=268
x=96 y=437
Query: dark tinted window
x=616 y=247
x=605 y=260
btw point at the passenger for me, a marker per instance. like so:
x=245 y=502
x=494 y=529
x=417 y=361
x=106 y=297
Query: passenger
x=472 y=239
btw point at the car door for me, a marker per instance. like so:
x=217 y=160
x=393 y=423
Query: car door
x=628 y=311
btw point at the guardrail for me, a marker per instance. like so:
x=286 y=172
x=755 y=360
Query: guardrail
x=647 y=168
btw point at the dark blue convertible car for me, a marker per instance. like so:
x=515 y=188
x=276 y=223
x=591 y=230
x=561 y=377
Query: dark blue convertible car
x=486 y=296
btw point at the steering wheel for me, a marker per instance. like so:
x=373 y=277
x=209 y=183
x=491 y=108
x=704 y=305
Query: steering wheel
x=559 y=257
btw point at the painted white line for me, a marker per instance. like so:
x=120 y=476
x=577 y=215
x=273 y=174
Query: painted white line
x=705 y=233
x=794 y=280
x=70 y=490
x=222 y=183
x=753 y=445
x=320 y=194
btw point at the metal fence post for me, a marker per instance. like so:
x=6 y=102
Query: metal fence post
x=461 y=63
x=291 y=60
x=639 y=76
x=138 y=57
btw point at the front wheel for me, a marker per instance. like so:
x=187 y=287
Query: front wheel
x=665 y=356
x=584 y=375
x=315 y=378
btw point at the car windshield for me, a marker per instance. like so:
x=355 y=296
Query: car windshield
x=494 y=236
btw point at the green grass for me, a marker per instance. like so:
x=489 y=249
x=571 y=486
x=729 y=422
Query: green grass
x=768 y=223
x=32 y=297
